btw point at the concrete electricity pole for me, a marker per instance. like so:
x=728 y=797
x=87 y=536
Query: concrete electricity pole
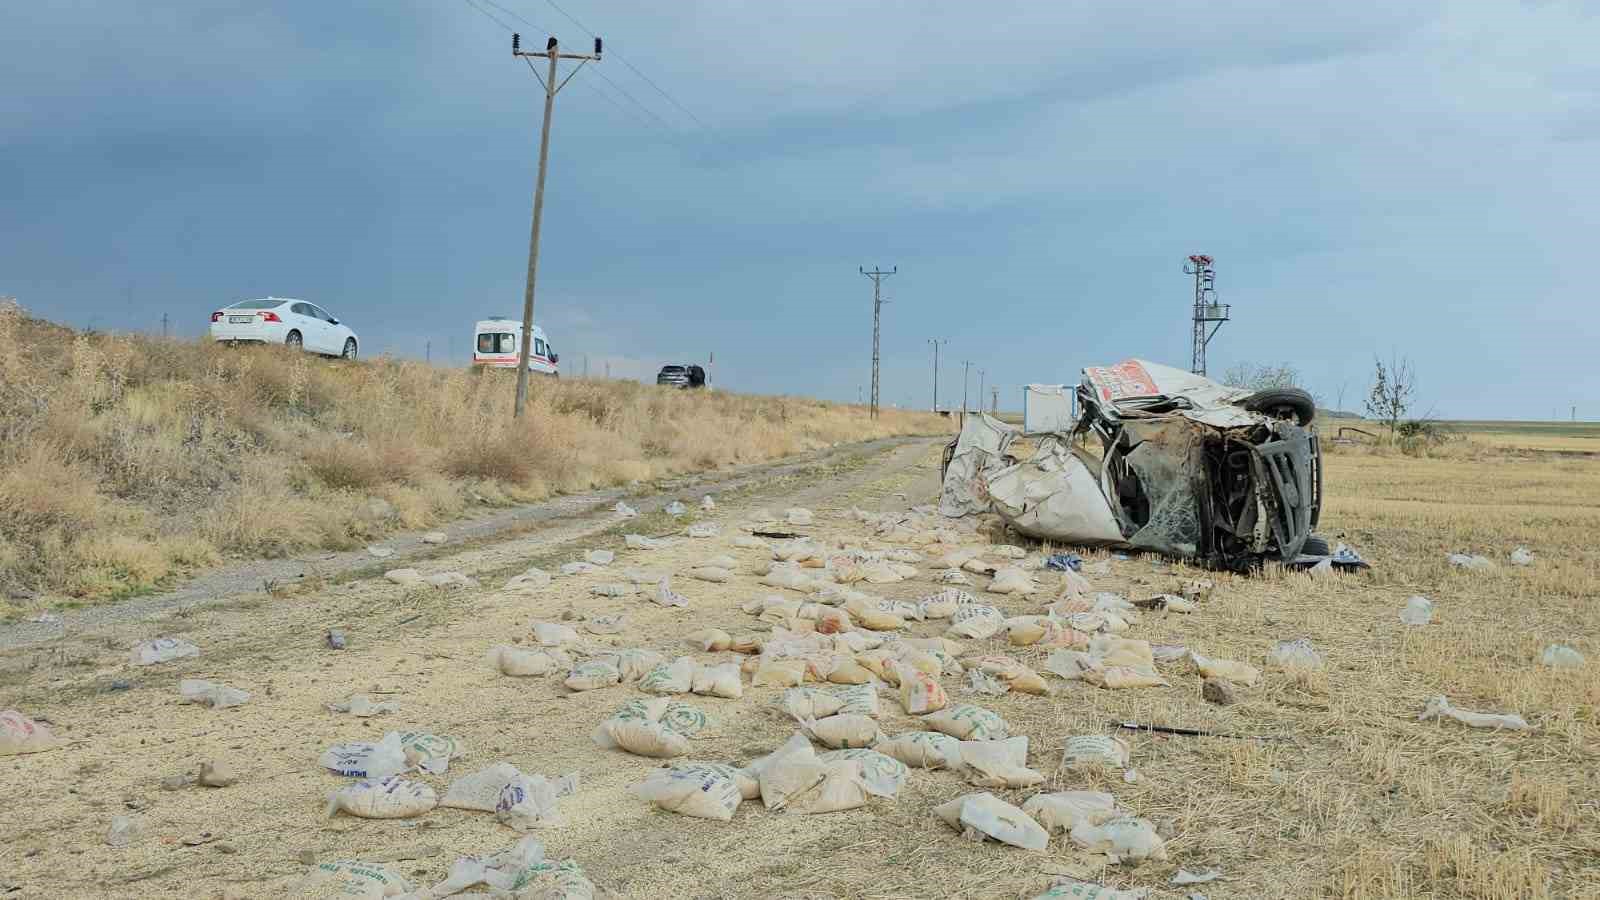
x=877 y=275
x=994 y=401
x=980 y=390
x=966 y=367
x=551 y=52
x=936 y=342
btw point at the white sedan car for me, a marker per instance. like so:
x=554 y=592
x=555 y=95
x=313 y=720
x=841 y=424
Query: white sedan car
x=278 y=320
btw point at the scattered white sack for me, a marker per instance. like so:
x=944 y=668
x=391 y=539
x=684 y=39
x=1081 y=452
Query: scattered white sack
x=804 y=703
x=843 y=731
x=1417 y=611
x=1440 y=708
x=1295 y=655
x=902 y=555
x=952 y=576
x=883 y=775
x=450 y=580
x=641 y=576
x=632 y=664
x=710 y=639
x=944 y=604
x=430 y=752
x=718 y=681
x=350 y=879
x=1088 y=890
x=1073 y=665
x=577 y=568
x=532 y=580
x=985 y=685
x=797 y=516
x=713 y=574
x=403 y=577
x=859 y=700
x=676 y=509
x=1017 y=676
x=978 y=816
x=1560 y=656
x=1094 y=751
x=1124 y=840
x=554 y=634
x=1226 y=669
x=750 y=775
x=592 y=674
x=704 y=791
x=657 y=727
x=217 y=696
x=640 y=542
x=1067 y=810
x=1465 y=561
x=600 y=557
x=1522 y=556
x=1012 y=580
x=361 y=706
x=967 y=722
x=519 y=867
x=746 y=542
x=392 y=797
x=720 y=561
x=527 y=801
x=799 y=782
x=364 y=759
x=919 y=692
x=481 y=789
x=1007 y=551
x=624 y=510
x=1185 y=876
x=160 y=650
x=666 y=596
x=999 y=764
x=676 y=677
x=605 y=624
x=707 y=504
x=976 y=620
x=613 y=589
x=20 y=734
x=704 y=530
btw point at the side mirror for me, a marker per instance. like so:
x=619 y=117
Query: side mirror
x=555 y=357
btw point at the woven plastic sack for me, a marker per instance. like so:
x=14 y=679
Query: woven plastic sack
x=349 y=880
x=718 y=681
x=1017 y=676
x=20 y=734
x=520 y=663
x=919 y=692
x=1124 y=840
x=1094 y=751
x=999 y=764
x=1226 y=669
x=838 y=732
x=967 y=722
x=701 y=791
x=528 y=801
x=922 y=749
x=383 y=798
x=1012 y=580
x=1065 y=810
x=364 y=759
x=592 y=674
x=430 y=752
x=976 y=620
x=160 y=650
x=1294 y=656
x=979 y=816
x=554 y=634
x=799 y=783
x=676 y=677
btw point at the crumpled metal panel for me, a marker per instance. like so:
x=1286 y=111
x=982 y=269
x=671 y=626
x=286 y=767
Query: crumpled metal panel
x=1054 y=496
x=980 y=448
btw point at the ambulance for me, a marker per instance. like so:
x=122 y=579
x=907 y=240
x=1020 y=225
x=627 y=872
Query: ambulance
x=494 y=345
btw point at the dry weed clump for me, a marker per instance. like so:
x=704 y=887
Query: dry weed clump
x=125 y=460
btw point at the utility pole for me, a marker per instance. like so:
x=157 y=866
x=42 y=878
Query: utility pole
x=164 y=331
x=877 y=275
x=966 y=367
x=427 y=352
x=552 y=52
x=980 y=390
x=994 y=400
x=936 y=342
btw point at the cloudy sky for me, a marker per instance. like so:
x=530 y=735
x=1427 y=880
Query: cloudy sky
x=1383 y=178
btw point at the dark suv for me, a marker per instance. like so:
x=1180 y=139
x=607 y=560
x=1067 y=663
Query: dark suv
x=682 y=376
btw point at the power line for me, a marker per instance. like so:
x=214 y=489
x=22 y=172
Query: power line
x=647 y=80
x=618 y=88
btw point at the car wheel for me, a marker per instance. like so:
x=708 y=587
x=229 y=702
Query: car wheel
x=1283 y=403
x=1315 y=546
x=292 y=341
x=349 y=348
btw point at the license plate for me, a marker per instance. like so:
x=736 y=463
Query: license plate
x=241 y=320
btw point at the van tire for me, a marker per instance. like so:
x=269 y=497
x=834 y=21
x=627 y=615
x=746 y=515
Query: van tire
x=1275 y=400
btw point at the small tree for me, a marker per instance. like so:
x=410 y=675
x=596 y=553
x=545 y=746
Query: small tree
x=1392 y=387
x=1262 y=377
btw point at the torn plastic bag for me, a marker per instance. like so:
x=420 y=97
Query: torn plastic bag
x=430 y=752
x=527 y=801
x=160 y=650
x=20 y=734
x=481 y=790
x=363 y=759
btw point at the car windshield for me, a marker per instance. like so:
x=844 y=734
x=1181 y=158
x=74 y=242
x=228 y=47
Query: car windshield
x=257 y=304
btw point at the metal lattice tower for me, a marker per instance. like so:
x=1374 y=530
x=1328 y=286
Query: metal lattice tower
x=1206 y=308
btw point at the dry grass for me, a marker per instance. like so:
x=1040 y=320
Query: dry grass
x=126 y=460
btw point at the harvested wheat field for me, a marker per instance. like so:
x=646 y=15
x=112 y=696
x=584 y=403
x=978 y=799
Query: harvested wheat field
x=1317 y=782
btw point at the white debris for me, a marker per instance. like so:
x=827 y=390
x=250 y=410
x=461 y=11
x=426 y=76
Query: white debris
x=1124 y=840
x=798 y=516
x=554 y=634
x=217 y=696
x=1440 y=708
x=704 y=530
x=577 y=568
x=708 y=504
x=391 y=797
x=676 y=509
x=624 y=510
x=434 y=537
x=978 y=816
x=361 y=706
x=380 y=552
x=532 y=580
x=1295 y=655
x=1522 y=556
x=160 y=650
x=600 y=557
x=1185 y=876
x=641 y=542
x=20 y=734
x=1464 y=561
x=613 y=589
x=1417 y=611
x=450 y=580
x=1560 y=656
x=364 y=759
x=666 y=596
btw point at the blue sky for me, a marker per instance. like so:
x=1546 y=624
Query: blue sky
x=1371 y=178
